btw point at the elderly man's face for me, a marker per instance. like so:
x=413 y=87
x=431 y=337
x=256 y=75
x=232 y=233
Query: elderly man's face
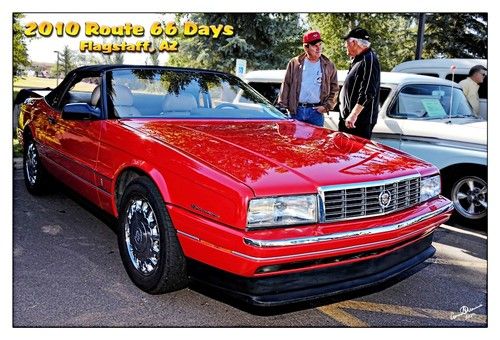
x=313 y=51
x=479 y=76
x=349 y=45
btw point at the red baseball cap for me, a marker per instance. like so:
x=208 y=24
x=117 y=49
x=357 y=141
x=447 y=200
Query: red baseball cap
x=311 y=37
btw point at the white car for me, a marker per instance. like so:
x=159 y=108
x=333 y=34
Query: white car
x=442 y=68
x=415 y=117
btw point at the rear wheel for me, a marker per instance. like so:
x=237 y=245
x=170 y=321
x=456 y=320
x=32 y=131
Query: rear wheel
x=35 y=176
x=148 y=243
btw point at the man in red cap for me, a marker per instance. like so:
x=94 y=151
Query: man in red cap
x=310 y=88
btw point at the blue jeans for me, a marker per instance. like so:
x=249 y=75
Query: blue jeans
x=310 y=115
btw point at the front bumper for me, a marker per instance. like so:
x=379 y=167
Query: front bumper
x=318 y=283
x=299 y=249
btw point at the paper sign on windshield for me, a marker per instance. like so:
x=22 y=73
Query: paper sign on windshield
x=433 y=108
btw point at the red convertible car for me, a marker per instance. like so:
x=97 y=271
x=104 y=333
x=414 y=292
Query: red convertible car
x=209 y=182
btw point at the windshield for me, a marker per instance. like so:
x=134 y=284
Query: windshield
x=425 y=101
x=187 y=94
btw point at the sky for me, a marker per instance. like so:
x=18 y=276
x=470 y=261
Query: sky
x=42 y=48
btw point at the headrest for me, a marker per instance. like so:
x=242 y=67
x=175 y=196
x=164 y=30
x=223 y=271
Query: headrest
x=96 y=95
x=122 y=96
x=181 y=102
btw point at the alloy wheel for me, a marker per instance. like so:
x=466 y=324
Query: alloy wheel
x=31 y=163
x=469 y=196
x=142 y=236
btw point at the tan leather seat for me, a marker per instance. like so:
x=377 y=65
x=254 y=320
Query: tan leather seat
x=124 y=102
x=96 y=96
x=182 y=102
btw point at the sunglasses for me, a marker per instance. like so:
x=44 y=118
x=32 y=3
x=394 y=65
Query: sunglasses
x=483 y=74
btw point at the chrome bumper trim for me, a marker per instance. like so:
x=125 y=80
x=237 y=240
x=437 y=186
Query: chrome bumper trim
x=347 y=234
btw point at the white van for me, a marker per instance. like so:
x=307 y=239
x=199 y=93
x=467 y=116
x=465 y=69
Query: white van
x=441 y=68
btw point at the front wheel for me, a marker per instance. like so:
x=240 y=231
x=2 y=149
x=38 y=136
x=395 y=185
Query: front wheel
x=469 y=194
x=148 y=243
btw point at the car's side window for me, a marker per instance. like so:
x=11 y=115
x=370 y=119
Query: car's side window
x=83 y=90
x=457 y=78
x=483 y=89
x=384 y=93
x=269 y=90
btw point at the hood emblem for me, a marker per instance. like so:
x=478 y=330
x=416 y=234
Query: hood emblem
x=384 y=199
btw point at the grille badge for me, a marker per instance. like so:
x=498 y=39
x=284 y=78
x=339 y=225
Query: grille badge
x=384 y=199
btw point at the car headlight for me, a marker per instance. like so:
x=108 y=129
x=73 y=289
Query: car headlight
x=282 y=211
x=430 y=187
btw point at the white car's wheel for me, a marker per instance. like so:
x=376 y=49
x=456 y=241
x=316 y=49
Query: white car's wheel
x=470 y=198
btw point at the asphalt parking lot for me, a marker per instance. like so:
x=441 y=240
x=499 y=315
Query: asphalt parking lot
x=67 y=272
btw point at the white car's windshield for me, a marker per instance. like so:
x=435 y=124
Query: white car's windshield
x=186 y=94
x=426 y=101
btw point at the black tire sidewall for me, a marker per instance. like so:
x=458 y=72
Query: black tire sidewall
x=39 y=186
x=163 y=279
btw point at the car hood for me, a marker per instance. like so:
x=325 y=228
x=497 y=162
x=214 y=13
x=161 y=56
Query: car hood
x=281 y=157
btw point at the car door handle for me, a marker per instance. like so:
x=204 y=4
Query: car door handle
x=52 y=120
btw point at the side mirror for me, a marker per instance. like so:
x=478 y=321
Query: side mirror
x=80 y=111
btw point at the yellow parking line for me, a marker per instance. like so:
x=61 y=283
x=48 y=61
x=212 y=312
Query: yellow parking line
x=410 y=311
x=342 y=316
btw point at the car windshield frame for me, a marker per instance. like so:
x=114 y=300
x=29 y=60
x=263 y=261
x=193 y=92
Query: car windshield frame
x=429 y=101
x=170 y=93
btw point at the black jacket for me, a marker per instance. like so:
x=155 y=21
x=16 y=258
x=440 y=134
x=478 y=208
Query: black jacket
x=362 y=86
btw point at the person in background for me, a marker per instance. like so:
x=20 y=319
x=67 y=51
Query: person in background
x=310 y=88
x=470 y=85
x=359 y=98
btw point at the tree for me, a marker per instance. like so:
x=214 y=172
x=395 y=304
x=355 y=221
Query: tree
x=66 y=60
x=154 y=58
x=447 y=35
x=456 y=35
x=19 y=50
x=265 y=40
x=393 y=36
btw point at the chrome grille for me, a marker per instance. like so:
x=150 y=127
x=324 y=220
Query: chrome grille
x=364 y=199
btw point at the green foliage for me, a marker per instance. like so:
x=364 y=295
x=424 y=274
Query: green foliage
x=66 y=60
x=19 y=49
x=265 y=40
x=17 y=148
x=393 y=36
x=154 y=58
x=456 y=35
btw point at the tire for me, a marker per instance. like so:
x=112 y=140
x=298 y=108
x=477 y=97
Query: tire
x=469 y=194
x=147 y=240
x=35 y=175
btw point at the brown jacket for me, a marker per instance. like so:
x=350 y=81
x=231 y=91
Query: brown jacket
x=290 y=89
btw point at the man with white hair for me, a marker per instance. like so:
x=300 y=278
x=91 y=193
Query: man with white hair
x=359 y=98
